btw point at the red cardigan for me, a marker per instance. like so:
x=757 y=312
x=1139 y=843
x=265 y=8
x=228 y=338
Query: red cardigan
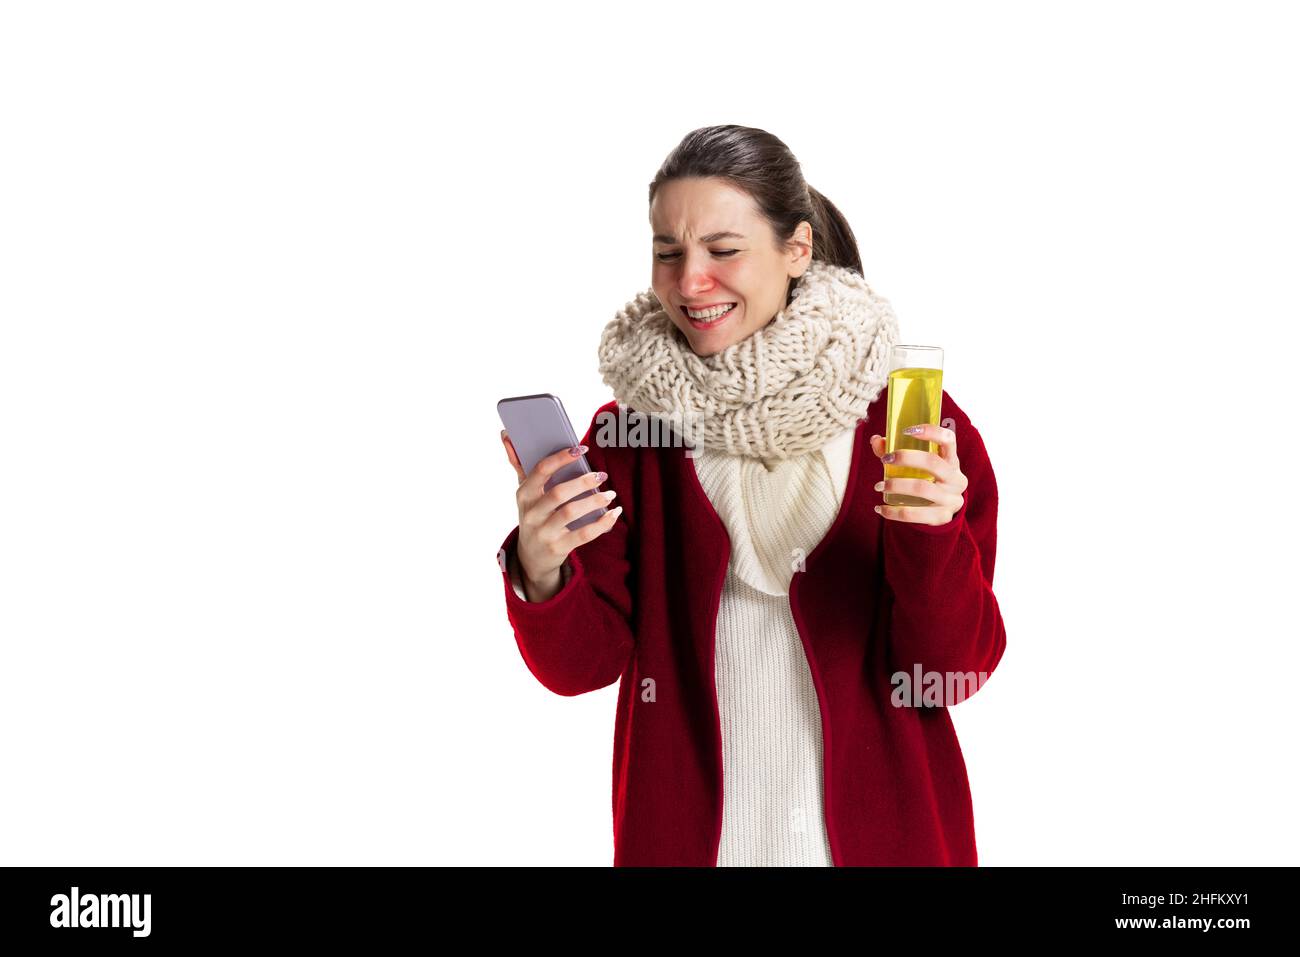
x=874 y=598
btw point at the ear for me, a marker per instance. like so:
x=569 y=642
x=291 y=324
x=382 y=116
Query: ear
x=801 y=253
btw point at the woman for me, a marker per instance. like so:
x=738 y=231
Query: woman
x=770 y=629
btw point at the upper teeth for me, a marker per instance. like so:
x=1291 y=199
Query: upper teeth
x=709 y=313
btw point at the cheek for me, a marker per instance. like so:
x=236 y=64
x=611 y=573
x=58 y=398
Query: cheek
x=664 y=276
x=728 y=273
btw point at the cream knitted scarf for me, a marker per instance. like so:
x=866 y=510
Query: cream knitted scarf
x=784 y=390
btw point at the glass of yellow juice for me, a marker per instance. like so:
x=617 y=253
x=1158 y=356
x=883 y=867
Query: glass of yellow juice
x=915 y=397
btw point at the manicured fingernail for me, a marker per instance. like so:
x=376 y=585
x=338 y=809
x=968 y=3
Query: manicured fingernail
x=601 y=476
x=880 y=486
x=577 y=449
x=913 y=429
x=887 y=457
x=878 y=508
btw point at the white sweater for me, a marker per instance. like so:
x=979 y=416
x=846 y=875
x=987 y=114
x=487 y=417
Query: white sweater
x=772 y=804
x=772 y=808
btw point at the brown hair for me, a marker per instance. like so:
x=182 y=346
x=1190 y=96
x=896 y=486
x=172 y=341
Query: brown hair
x=758 y=163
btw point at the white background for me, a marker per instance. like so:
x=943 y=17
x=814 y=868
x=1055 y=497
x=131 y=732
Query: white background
x=265 y=269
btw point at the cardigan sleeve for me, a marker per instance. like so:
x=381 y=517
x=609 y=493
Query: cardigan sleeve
x=945 y=617
x=580 y=639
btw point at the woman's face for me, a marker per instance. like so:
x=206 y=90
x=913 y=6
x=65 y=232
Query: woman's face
x=713 y=247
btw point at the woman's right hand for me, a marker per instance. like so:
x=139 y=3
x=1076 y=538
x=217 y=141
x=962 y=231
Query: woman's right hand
x=544 y=538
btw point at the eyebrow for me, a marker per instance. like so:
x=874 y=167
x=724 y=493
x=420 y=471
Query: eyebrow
x=712 y=237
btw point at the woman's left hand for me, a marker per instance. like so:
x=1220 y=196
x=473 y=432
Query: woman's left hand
x=946 y=489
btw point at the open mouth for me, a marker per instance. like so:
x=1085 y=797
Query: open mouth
x=711 y=318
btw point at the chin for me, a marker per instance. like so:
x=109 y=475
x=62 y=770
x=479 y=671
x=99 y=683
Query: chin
x=701 y=348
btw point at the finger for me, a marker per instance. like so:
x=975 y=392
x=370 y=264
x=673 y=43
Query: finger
x=560 y=518
x=916 y=514
x=554 y=529
x=513 y=456
x=926 y=462
x=558 y=498
x=878 y=445
x=553 y=512
x=535 y=484
x=945 y=439
x=563 y=491
x=600 y=526
x=932 y=492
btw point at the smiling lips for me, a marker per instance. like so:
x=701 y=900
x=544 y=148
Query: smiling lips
x=709 y=316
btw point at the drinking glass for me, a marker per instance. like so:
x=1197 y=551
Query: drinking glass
x=915 y=397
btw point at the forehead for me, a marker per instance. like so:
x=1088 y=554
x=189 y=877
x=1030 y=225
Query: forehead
x=690 y=207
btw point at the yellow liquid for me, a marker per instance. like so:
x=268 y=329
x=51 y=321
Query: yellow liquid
x=915 y=397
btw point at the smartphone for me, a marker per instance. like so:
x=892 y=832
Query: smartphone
x=538 y=427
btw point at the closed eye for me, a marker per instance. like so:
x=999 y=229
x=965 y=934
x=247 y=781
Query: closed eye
x=669 y=257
